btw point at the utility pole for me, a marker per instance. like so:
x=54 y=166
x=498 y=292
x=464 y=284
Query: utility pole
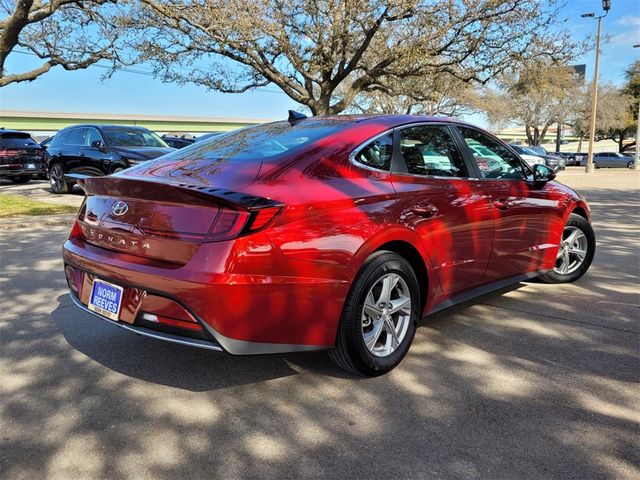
x=606 y=5
x=636 y=164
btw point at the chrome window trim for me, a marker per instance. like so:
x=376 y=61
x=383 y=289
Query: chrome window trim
x=509 y=149
x=99 y=135
x=437 y=177
x=359 y=148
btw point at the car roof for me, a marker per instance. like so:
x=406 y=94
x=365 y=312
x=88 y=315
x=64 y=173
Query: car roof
x=3 y=131
x=104 y=125
x=384 y=118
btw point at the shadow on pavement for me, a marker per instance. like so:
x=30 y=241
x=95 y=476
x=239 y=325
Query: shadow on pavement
x=536 y=381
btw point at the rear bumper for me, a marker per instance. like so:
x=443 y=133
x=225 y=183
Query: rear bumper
x=11 y=171
x=167 y=337
x=241 y=314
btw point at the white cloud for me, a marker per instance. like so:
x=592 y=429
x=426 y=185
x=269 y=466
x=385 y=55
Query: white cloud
x=628 y=38
x=632 y=20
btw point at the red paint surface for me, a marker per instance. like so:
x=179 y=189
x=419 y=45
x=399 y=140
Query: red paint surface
x=287 y=282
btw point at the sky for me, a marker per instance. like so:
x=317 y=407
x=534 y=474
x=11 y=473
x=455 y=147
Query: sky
x=141 y=94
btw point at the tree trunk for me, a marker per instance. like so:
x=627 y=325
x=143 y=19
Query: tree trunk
x=580 y=145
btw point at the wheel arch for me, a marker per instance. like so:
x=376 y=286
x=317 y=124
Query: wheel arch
x=413 y=256
x=580 y=208
x=405 y=243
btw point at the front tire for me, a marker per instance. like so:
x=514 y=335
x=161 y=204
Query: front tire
x=380 y=316
x=56 y=180
x=576 y=252
x=630 y=164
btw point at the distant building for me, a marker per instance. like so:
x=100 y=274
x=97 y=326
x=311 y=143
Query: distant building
x=43 y=124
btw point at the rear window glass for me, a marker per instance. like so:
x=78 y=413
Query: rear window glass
x=17 y=140
x=260 y=142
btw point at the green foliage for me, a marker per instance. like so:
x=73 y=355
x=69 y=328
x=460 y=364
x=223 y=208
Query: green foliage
x=11 y=205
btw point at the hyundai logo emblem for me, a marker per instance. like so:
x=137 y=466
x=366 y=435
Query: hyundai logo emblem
x=119 y=208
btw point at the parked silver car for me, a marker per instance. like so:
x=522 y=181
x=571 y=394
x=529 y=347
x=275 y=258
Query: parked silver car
x=609 y=159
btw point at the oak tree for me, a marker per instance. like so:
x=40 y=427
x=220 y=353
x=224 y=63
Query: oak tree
x=536 y=96
x=325 y=53
x=72 y=34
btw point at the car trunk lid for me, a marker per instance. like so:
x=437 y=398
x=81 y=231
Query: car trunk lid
x=162 y=220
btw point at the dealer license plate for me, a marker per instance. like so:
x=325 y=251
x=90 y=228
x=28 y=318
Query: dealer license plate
x=106 y=299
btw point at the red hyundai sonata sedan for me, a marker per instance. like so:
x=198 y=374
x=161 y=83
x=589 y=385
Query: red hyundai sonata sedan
x=335 y=233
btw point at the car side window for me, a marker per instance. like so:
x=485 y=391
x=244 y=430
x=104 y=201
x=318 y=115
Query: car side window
x=59 y=139
x=493 y=159
x=377 y=154
x=76 y=136
x=92 y=136
x=430 y=150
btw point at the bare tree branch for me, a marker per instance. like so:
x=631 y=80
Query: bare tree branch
x=73 y=34
x=325 y=53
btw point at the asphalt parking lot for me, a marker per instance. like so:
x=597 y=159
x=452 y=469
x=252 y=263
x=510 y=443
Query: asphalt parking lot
x=536 y=381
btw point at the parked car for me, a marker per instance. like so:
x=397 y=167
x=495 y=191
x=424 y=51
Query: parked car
x=528 y=156
x=609 y=159
x=335 y=233
x=178 y=142
x=21 y=157
x=207 y=136
x=551 y=161
x=570 y=158
x=538 y=150
x=98 y=150
x=45 y=143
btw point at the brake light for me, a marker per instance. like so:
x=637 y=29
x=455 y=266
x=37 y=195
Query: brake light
x=231 y=223
x=262 y=218
x=76 y=231
x=228 y=224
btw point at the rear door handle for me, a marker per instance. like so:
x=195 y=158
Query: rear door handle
x=502 y=203
x=426 y=211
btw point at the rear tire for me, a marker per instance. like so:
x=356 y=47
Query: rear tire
x=577 y=237
x=56 y=180
x=21 y=179
x=382 y=350
x=630 y=164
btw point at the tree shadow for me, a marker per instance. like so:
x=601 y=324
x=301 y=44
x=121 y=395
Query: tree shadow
x=506 y=386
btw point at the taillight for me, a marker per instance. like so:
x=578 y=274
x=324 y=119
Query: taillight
x=76 y=231
x=228 y=224
x=9 y=153
x=262 y=218
x=232 y=223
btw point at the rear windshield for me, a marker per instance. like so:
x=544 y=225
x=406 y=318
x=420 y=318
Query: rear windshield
x=17 y=140
x=132 y=137
x=259 y=142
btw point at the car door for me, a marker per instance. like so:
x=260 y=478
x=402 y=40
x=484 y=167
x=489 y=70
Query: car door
x=528 y=220
x=436 y=198
x=71 y=154
x=94 y=157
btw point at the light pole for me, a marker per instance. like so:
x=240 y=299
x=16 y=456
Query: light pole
x=636 y=163
x=606 y=5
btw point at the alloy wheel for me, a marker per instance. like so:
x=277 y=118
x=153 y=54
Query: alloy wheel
x=386 y=315
x=56 y=178
x=572 y=252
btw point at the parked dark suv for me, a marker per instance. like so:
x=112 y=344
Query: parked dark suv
x=20 y=156
x=98 y=150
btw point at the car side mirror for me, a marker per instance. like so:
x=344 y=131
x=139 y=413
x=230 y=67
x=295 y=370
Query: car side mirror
x=543 y=174
x=98 y=144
